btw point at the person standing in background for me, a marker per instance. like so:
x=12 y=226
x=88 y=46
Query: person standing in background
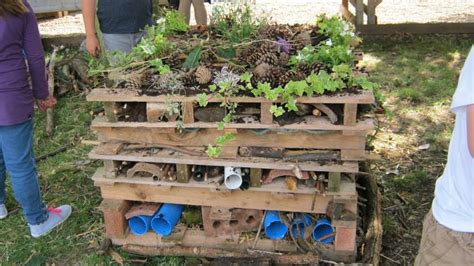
x=121 y=22
x=20 y=40
x=448 y=229
x=199 y=11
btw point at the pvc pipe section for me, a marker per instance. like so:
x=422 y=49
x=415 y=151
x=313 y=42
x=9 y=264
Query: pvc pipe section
x=322 y=230
x=166 y=218
x=299 y=224
x=274 y=226
x=139 y=225
x=232 y=177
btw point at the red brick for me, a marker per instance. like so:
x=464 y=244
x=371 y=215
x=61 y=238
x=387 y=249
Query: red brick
x=345 y=239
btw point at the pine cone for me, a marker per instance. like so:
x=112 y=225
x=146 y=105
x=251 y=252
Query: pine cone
x=269 y=58
x=134 y=82
x=262 y=70
x=283 y=59
x=276 y=31
x=291 y=76
x=174 y=61
x=314 y=67
x=268 y=46
x=203 y=75
x=188 y=78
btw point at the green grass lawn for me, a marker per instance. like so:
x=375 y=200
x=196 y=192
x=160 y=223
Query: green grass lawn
x=418 y=77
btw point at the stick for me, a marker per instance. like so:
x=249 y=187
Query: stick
x=53 y=153
x=49 y=112
x=163 y=146
x=259 y=231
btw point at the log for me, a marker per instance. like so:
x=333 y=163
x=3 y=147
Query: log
x=309 y=258
x=327 y=111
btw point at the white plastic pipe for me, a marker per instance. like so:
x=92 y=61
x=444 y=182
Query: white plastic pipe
x=232 y=177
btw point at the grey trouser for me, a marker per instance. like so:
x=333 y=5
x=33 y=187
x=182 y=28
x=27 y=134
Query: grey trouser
x=121 y=42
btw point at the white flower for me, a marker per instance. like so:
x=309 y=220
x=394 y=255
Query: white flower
x=329 y=42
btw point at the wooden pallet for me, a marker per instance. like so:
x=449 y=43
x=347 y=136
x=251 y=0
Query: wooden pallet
x=102 y=152
x=351 y=147
x=193 y=242
x=114 y=98
x=274 y=196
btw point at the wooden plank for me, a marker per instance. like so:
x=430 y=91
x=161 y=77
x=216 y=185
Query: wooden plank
x=196 y=238
x=371 y=17
x=188 y=112
x=317 y=123
x=417 y=28
x=350 y=114
x=110 y=168
x=171 y=157
x=345 y=3
x=227 y=257
x=359 y=12
x=204 y=137
x=255 y=177
x=45 y=6
x=114 y=217
x=277 y=186
x=197 y=196
x=334 y=182
x=122 y=95
x=266 y=117
x=347 y=14
x=353 y=155
x=183 y=173
x=110 y=111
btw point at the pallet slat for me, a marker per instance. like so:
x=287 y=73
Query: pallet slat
x=318 y=123
x=331 y=140
x=122 y=95
x=198 y=196
x=170 y=157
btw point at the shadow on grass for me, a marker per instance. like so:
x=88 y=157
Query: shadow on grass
x=418 y=76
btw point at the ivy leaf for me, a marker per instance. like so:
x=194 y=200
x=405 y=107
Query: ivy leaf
x=202 y=100
x=213 y=151
x=220 y=125
x=277 y=110
x=227 y=53
x=246 y=77
x=273 y=95
x=300 y=87
x=365 y=84
x=156 y=63
x=165 y=69
x=193 y=58
x=222 y=140
x=291 y=104
x=213 y=87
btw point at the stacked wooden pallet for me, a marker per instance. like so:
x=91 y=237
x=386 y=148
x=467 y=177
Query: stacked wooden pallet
x=147 y=159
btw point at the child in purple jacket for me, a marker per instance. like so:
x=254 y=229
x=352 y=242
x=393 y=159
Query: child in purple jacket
x=19 y=38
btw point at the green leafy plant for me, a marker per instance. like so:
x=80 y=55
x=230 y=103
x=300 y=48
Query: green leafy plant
x=175 y=22
x=236 y=23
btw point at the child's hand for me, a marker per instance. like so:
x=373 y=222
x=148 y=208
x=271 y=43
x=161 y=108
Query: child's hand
x=47 y=103
x=93 y=45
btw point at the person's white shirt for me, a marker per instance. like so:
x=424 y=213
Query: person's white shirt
x=453 y=206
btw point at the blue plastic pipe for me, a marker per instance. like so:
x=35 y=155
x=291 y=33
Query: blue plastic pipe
x=321 y=230
x=300 y=222
x=166 y=218
x=139 y=225
x=274 y=226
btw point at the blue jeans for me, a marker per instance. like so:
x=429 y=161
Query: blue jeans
x=16 y=158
